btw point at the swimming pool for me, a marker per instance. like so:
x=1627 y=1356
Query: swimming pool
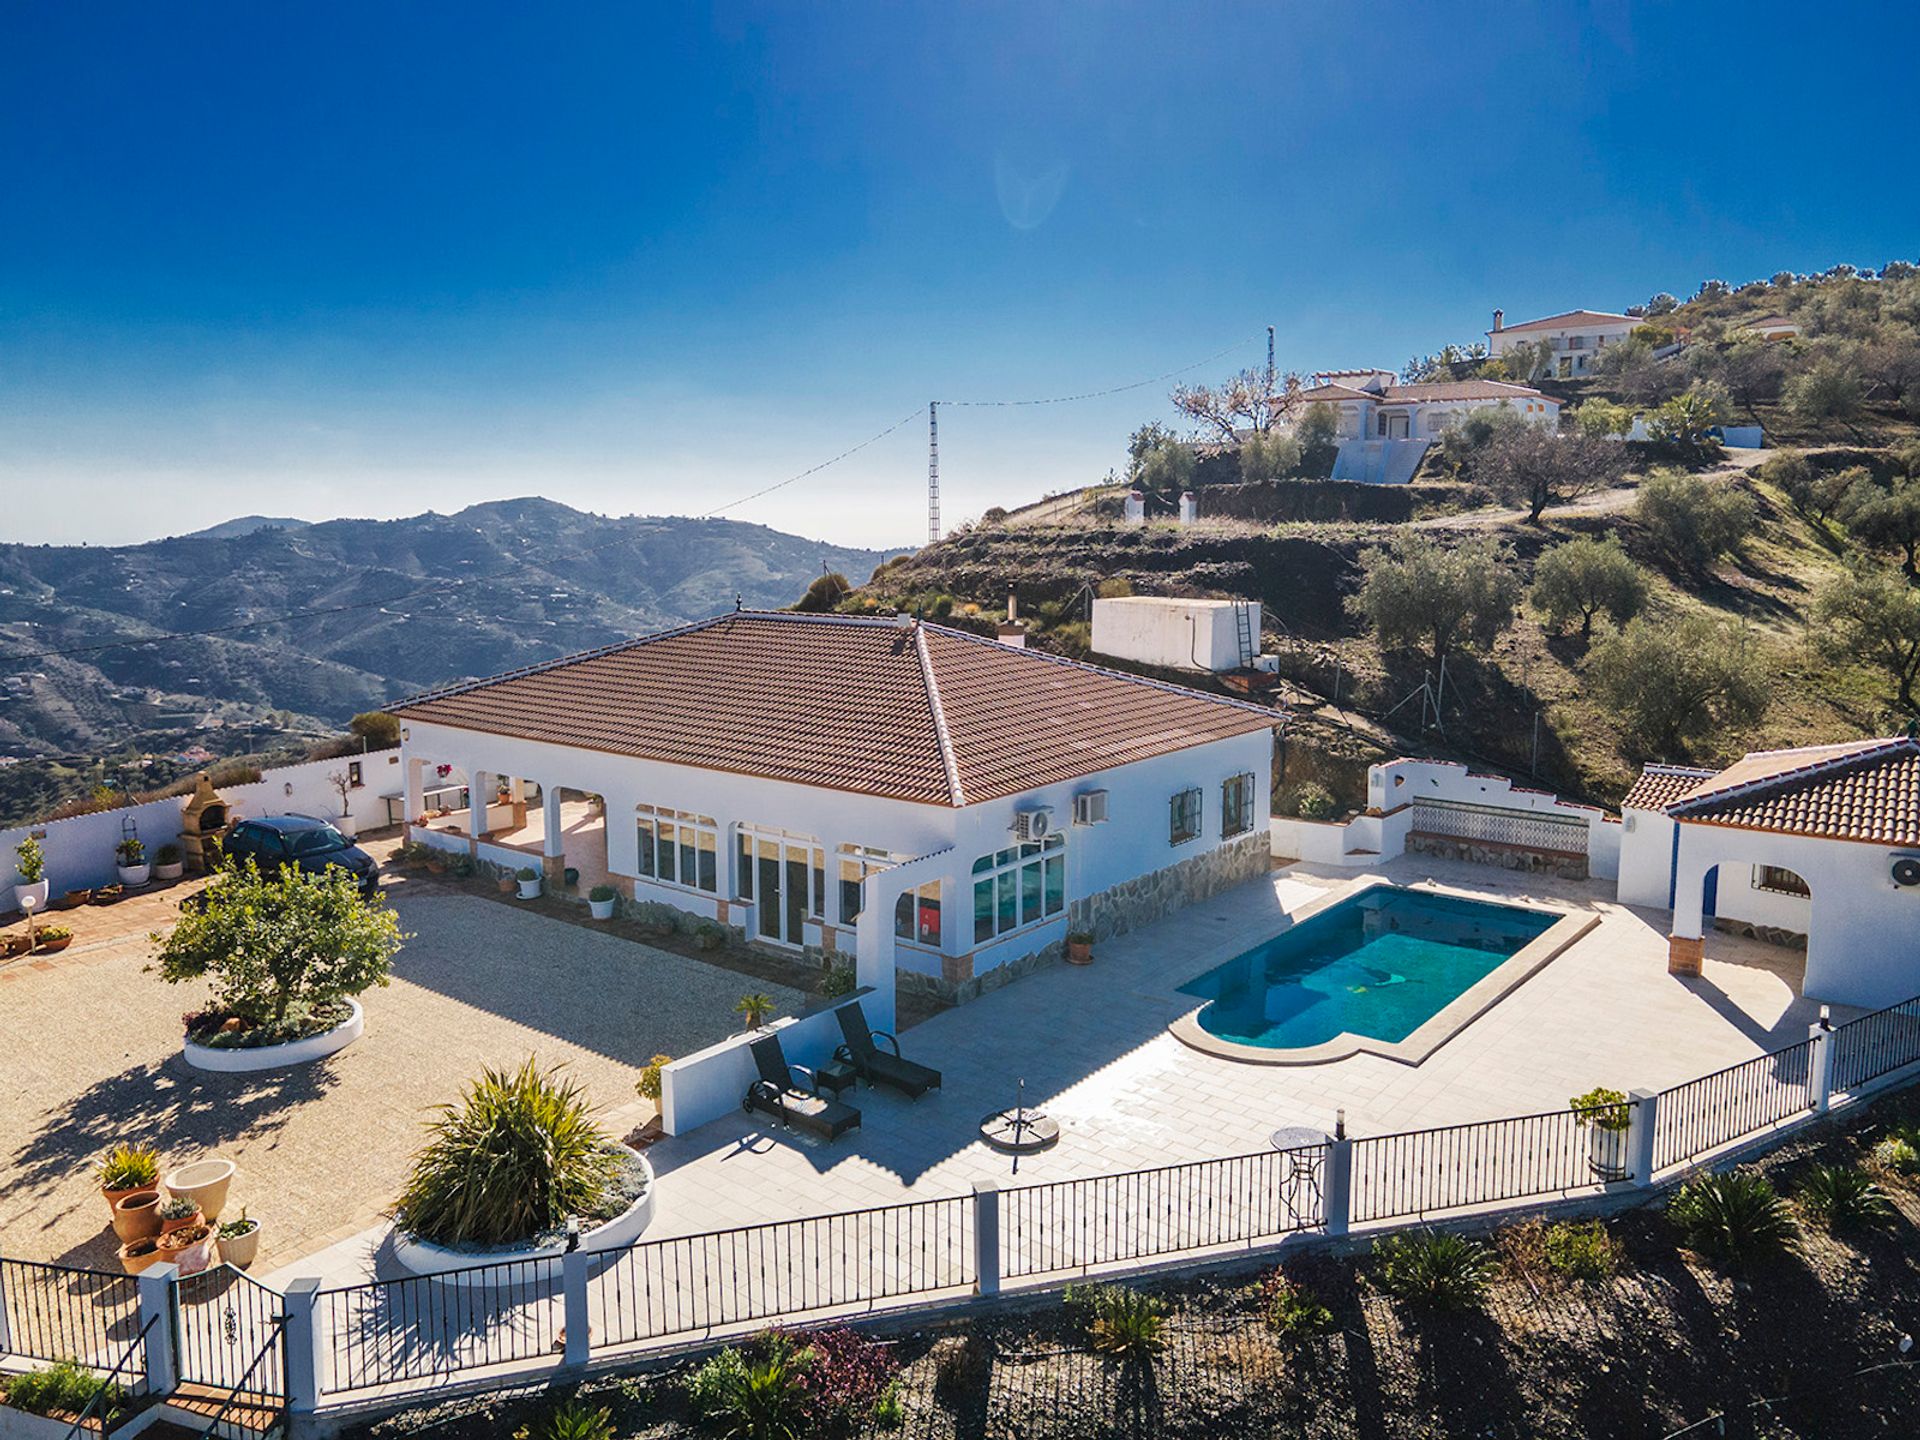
x=1376 y=966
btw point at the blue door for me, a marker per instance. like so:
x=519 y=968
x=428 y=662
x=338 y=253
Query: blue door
x=1710 y=893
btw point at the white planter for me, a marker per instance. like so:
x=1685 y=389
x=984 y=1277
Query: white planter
x=458 y=1267
x=19 y=1425
x=602 y=909
x=242 y=1250
x=134 y=875
x=1607 y=1152
x=347 y=826
x=170 y=872
x=529 y=889
x=278 y=1057
x=32 y=897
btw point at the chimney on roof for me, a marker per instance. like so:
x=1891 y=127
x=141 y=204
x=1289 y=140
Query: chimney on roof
x=1011 y=631
x=1013 y=605
x=1499 y=317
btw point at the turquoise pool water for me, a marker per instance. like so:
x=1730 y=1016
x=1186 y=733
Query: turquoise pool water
x=1380 y=963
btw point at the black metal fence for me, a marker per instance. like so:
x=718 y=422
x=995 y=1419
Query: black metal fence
x=56 y=1312
x=1875 y=1045
x=388 y=1332
x=1702 y=1115
x=1075 y=1225
x=223 y=1319
x=1424 y=1172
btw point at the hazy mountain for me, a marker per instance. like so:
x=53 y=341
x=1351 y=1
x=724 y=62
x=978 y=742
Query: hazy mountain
x=246 y=525
x=389 y=606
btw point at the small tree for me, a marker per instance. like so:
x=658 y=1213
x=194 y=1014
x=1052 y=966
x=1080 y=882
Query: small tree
x=1269 y=455
x=1886 y=517
x=1578 y=580
x=1598 y=419
x=1688 y=419
x=1319 y=435
x=1870 y=614
x=1825 y=390
x=1692 y=518
x=1416 y=591
x=1159 y=460
x=341 y=783
x=1467 y=437
x=1531 y=466
x=380 y=730
x=824 y=594
x=1251 y=400
x=1675 y=681
x=270 y=942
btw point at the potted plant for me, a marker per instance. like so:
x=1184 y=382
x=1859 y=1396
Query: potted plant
x=130 y=859
x=126 y=1169
x=601 y=900
x=1079 y=947
x=16 y=942
x=167 y=862
x=53 y=938
x=190 y=1247
x=529 y=883
x=137 y=1215
x=204 y=1183
x=754 y=1010
x=1607 y=1116
x=240 y=1240
x=74 y=899
x=31 y=861
x=179 y=1213
x=342 y=783
x=506 y=882
x=137 y=1254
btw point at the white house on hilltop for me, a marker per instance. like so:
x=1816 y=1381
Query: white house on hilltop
x=1372 y=404
x=1821 y=842
x=1575 y=339
x=914 y=795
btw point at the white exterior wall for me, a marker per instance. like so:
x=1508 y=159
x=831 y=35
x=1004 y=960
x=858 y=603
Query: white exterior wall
x=1647 y=878
x=1860 y=926
x=305 y=789
x=1173 y=634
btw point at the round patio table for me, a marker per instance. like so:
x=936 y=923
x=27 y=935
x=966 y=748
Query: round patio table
x=1302 y=1142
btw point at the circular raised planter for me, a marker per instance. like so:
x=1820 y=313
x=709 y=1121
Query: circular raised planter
x=457 y=1267
x=277 y=1057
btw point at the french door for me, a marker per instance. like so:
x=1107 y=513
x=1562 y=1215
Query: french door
x=785 y=876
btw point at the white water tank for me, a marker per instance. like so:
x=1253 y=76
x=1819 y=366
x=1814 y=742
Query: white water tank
x=1178 y=634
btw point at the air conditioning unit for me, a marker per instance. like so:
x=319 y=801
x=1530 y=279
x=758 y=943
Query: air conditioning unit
x=1906 y=870
x=1090 y=808
x=1034 y=824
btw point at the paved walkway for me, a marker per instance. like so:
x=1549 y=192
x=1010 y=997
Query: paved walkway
x=93 y=1044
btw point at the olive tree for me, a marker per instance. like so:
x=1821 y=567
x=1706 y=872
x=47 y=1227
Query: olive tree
x=1675 y=681
x=1886 y=517
x=1692 y=518
x=1582 y=578
x=1531 y=466
x=271 y=942
x=1158 y=460
x=1415 y=591
x=1871 y=615
x=1825 y=390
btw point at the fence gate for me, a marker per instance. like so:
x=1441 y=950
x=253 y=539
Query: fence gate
x=229 y=1335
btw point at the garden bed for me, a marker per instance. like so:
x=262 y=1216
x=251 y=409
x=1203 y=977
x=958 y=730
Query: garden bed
x=314 y=1034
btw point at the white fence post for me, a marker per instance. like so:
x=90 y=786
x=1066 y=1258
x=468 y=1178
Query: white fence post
x=1820 y=1065
x=573 y=1285
x=986 y=1238
x=156 y=1309
x=302 y=1335
x=1338 y=1190
x=1646 y=1114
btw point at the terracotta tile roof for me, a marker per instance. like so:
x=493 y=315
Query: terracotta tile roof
x=1660 y=785
x=1460 y=390
x=1864 y=790
x=1566 y=320
x=1335 y=392
x=910 y=712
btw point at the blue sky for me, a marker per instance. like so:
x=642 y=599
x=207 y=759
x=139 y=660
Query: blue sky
x=371 y=260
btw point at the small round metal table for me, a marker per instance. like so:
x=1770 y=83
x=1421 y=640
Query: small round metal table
x=1304 y=1148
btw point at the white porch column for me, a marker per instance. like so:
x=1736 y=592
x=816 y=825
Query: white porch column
x=879 y=893
x=479 y=790
x=416 y=789
x=552 y=841
x=1686 y=944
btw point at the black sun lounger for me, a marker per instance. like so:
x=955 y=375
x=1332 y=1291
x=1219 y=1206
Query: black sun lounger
x=778 y=1093
x=879 y=1066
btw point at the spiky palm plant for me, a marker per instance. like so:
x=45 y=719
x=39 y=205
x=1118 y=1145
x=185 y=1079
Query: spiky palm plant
x=1738 y=1218
x=1841 y=1198
x=1436 y=1269
x=570 y=1420
x=516 y=1157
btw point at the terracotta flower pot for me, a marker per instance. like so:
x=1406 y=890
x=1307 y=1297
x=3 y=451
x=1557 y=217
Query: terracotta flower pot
x=114 y=1197
x=185 y=1222
x=205 y=1183
x=54 y=946
x=436 y=867
x=137 y=1255
x=506 y=884
x=74 y=899
x=1079 y=952
x=191 y=1249
x=137 y=1216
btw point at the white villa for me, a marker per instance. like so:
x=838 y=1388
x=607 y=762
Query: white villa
x=914 y=795
x=1574 y=338
x=1820 y=844
x=1372 y=404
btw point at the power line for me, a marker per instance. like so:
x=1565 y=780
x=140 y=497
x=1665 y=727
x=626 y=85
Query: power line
x=816 y=469
x=1112 y=389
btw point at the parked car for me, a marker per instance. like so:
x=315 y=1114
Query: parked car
x=277 y=840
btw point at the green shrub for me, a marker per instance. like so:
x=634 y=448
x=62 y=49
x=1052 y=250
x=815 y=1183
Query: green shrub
x=708 y=936
x=838 y=980
x=603 y=893
x=1126 y=1324
x=1311 y=801
x=1897 y=1155
x=128 y=1167
x=647 y=1087
x=1603 y=1109
x=1293 y=1311
x=1434 y=1269
x=755 y=1397
x=1693 y=518
x=1841 y=1198
x=525 y=873
x=518 y=1156
x=570 y=1420
x=64 y=1388
x=30 y=860
x=1580 y=1250
x=1737 y=1218
x=168 y=854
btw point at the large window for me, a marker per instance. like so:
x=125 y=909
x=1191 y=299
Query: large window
x=679 y=848
x=1021 y=885
x=1236 y=806
x=916 y=915
x=1183 y=816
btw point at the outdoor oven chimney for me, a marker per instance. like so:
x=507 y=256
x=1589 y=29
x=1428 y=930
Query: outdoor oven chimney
x=1498 y=317
x=1010 y=631
x=1013 y=606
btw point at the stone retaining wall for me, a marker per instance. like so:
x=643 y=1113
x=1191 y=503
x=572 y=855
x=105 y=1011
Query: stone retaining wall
x=1507 y=857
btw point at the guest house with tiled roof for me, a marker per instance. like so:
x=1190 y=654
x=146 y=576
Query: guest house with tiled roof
x=1818 y=846
x=1572 y=339
x=911 y=794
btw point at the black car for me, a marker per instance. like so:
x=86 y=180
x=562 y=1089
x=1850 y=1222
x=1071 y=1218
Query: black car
x=276 y=840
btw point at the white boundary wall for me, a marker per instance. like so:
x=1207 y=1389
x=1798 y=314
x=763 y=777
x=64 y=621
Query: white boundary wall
x=712 y=1082
x=79 y=851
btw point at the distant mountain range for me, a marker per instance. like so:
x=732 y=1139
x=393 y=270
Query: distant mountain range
x=382 y=607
